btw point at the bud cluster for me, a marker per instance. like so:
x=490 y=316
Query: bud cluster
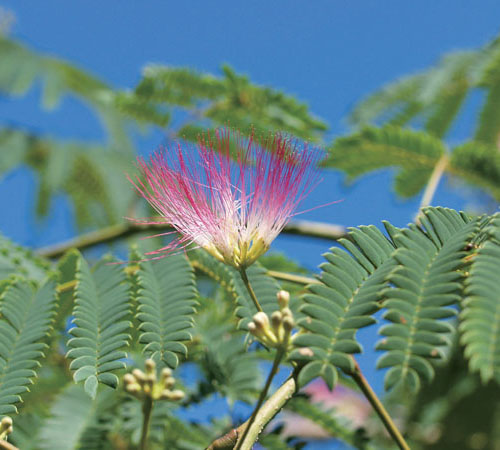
x=5 y=427
x=140 y=384
x=274 y=333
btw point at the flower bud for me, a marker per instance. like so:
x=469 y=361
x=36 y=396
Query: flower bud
x=169 y=382
x=261 y=320
x=5 y=427
x=276 y=318
x=150 y=366
x=133 y=388
x=288 y=324
x=128 y=378
x=283 y=299
x=176 y=395
x=139 y=375
x=166 y=372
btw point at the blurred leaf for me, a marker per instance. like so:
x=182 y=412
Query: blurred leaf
x=26 y=321
x=414 y=153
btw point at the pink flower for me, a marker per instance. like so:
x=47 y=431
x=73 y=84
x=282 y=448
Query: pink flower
x=229 y=195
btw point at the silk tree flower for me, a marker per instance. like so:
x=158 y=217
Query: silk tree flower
x=228 y=194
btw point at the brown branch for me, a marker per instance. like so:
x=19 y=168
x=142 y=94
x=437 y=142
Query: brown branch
x=301 y=228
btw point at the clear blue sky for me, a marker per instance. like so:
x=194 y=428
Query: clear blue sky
x=327 y=53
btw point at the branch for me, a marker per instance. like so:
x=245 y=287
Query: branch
x=4 y=445
x=433 y=182
x=377 y=405
x=266 y=413
x=245 y=439
x=302 y=228
x=291 y=277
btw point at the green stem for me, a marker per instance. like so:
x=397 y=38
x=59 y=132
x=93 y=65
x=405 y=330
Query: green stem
x=377 y=405
x=250 y=290
x=147 y=408
x=246 y=444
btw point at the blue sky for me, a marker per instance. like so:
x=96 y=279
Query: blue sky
x=328 y=54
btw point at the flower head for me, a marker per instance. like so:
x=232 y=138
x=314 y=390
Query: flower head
x=229 y=195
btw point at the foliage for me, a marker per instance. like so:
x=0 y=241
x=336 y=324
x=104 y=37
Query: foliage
x=342 y=303
x=215 y=101
x=431 y=101
x=413 y=276
x=414 y=153
x=419 y=276
x=100 y=331
x=430 y=289
x=27 y=316
x=90 y=174
x=166 y=303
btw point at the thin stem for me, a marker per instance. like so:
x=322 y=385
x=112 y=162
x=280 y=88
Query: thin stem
x=433 y=182
x=246 y=444
x=250 y=290
x=299 y=279
x=377 y=405
x=147 y=408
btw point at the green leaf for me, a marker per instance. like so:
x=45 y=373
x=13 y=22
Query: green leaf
x=435 y=95
x=488 y=127
x=415 y=153
x=480 y=317
x=26 y=321
x=88 y=174
x=22 y=67
x=166 y=305
x=229 y=367
x=73 y=420
x=100 y=331
x=215 y=101
x=16 y=260
x=479 y=164
x=425 y=281
x=343 y=303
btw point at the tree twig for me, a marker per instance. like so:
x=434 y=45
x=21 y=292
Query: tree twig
x=293 y=278
x=379 y=408
x=266 y=413
x=245 y=440
x=4 y=445
x=433 y=182
x=301 y=228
